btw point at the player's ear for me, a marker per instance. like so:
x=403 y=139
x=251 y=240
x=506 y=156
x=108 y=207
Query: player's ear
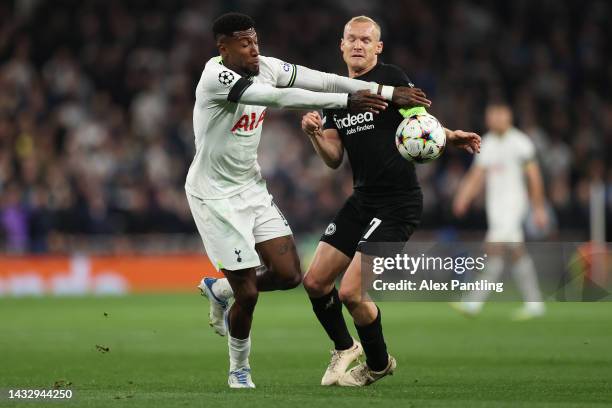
x=379 y=48
x=222 y=46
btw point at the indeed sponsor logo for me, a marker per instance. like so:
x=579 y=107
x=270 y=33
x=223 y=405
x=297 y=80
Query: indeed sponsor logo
x=352 y=120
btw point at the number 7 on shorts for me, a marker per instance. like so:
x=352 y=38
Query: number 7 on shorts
x=373 y=225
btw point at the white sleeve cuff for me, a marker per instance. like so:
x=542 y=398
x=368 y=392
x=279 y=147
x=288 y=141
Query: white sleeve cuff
x=387 y=92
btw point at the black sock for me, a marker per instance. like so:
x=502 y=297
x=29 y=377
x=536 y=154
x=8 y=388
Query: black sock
x=373 y=343
x=328 y=309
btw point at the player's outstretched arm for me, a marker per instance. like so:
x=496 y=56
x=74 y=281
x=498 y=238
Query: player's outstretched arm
x=318 y=81
x=220 y=85
x=327 y=143
x=291 y=98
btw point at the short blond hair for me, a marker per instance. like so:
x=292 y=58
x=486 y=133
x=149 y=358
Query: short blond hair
x=363 y=19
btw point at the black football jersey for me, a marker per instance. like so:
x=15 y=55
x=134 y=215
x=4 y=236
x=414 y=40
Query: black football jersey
x=369 y=141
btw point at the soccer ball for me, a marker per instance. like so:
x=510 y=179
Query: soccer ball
x=420 y=138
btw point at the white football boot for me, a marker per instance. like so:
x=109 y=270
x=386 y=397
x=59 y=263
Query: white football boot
x=240 y=378
x=218 y=306
x=361 y=375
x=530 y=310
x=340 y=361
x=468 y=309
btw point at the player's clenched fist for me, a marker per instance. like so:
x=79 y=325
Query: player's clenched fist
x=311 y=122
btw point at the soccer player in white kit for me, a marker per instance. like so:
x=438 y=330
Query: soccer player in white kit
x=239 y=224
x=506 y=157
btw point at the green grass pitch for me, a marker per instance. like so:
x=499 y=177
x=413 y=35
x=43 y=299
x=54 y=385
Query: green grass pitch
x=163 y=354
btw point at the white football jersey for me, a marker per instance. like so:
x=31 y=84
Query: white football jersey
x=504 y=158
x=227 y=133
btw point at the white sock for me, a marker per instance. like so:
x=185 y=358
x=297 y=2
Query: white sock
x=239 y=351
x=527 y=282
x=222 y=289
x=492 y=273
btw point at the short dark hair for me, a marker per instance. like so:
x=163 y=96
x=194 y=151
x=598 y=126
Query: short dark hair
x=230 y=22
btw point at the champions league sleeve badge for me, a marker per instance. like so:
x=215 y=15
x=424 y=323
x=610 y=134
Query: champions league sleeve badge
x=226 y=78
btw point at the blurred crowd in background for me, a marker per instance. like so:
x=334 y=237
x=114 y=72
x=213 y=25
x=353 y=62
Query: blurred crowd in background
x=96 y=102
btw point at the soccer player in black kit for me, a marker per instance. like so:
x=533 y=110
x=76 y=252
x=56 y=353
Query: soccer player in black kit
x=385 y=207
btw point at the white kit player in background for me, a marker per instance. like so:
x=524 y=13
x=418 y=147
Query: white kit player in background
x=507 y=155
x=239 y=224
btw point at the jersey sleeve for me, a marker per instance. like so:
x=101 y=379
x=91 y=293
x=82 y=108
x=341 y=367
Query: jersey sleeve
x=328 y=121
x=526 y=149
x=287 y=75
x=284 y=72
x=220 y=84
x=290 y=98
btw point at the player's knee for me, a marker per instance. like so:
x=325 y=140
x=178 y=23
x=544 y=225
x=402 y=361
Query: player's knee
x=293 y=281
x=315 y=287
x=247 y=299
x=349 y=297
x=289 y=278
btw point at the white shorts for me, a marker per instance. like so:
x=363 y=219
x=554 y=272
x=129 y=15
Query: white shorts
x=506 y=229
x=230 y=227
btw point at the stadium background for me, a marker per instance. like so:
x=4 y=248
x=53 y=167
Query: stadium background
x=96 y=136
x=96 y=103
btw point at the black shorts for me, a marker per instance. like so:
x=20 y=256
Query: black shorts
x=366 y=219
